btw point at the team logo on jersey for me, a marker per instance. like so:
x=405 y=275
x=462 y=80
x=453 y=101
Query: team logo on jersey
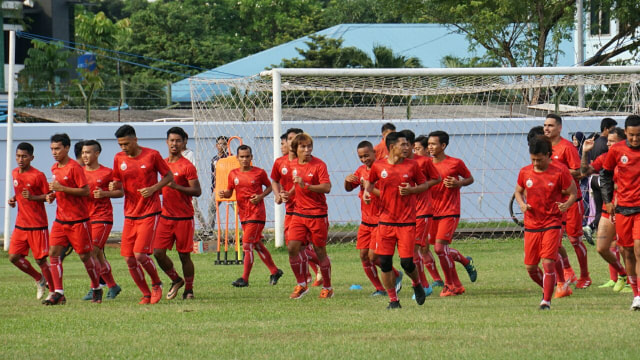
x=236 y=181
x=309 y=174
x=99 y=180
x=555 y=157
x=66 y=178
x=529 y=183
x=405 y=176
x=175 y=173
x=295 y=172
x=123 y=166
x=284 y=171
x=15 y=182
x=384 y=174
x=624 y=159
x=143 y=167
x=550 y=184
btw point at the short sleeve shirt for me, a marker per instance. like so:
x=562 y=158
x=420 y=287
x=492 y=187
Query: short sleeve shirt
x=70 y=207
x=543 y=191
x=369 y=211
x=246 y=184
x=381 y=150
x=177 y=204
x=99 y=209
x=446 y=201
x=423 y=204
x=313 y=173
x=627 y=163
x=31 y=214
x=281 y=173
x=396 y=208
x=566 y=153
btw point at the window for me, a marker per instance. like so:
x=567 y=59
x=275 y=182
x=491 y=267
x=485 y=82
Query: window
x=600 y=20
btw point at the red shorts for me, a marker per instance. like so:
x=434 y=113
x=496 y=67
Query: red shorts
x=252 y=232
x=35 y=239
x=170 y=231
x=574 y=219
x=543 y=244
x=100 y=233
x=442 y=228
x=628 y=229
x=78 y=235
x=422 y=230
x=138 y=235
x=389 y=236
x=367 y=235
x=306 y=229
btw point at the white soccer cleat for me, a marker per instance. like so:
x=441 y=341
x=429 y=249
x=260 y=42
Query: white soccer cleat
x=42 y=288
x=635 y=305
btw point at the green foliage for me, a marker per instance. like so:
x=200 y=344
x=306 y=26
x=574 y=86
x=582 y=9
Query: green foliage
x=325 y=52
x=45 y=67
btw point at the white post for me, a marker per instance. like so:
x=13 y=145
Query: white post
x=580 y=46
x=9 y=159
x=277 y=129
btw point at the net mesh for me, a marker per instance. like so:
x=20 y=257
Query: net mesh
x=487 y=118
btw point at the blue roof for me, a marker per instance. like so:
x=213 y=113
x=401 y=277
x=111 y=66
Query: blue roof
x=428 y=42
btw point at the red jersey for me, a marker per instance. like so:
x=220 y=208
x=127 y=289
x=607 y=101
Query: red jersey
x=627 y=161
x=281 y=173
x=598 y=162
x=247 y=184
x=70 y=208
x=176 y=204
x=313 y=173
x=381 y=150
x=446 y=201
x=396 y=208
x=31 y=214
x=423 y=204
x=137 y=173
x=566 y=153
x=543 y=190
x=99 y=209
x=370 y=212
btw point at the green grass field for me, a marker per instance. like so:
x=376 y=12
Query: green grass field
x=498 y=317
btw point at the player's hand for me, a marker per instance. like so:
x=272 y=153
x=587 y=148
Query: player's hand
x=12 y=201
x=563 y=206
x=55 y=186
x=221 y=194
x=588 y=144
x=98 y=194
x=50 y=197
x=284 y=196
x=525 y=207
x=255 y=199
x=610 y=208
x=26 y=194
x=113 y=185
x=366 y=197
x=351 y=178
x=298 y=180
x=404 y=189
x=277 y=198
x=451 y=182
x=146 y=192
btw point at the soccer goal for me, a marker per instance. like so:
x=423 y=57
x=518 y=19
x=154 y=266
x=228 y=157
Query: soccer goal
x=486 y=111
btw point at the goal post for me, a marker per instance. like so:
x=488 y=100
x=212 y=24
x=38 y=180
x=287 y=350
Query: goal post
x=486 y=111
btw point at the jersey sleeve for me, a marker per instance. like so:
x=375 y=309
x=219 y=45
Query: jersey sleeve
x=264 y=179
x=275 y=171
x=610 y=161
x=430 y=171
x=373 y=174
x=230 y=183
x=464 y=171
x=79 y=177
x=420 y=177
x=161 y=166
x=565 y=179
x=597 y=163
x=358 y=173
x=190 y=172
x=573 y=158
x=323 y=174
x=116 y=170
x=520 y=180
x=42 y=184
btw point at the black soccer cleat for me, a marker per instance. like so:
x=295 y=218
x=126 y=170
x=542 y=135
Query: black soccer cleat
x=97 y=296
x=240 y=283
x=421 y=296
x=394 y=305
x=273 y=279
x=187 y=295
x=56 y=299
x=175 y=286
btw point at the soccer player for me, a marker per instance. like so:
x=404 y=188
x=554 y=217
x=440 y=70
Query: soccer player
x=624 y=157
x=284 y=145
x=283 y=191
x=423 y=207
x=32 y=228
x=565 y=153
x=544 y=187
x=69 y=188
x=397 y=179
x=381 y=149
x=248 y=182
x=176 y=224
x=420 y=148
x=309 y=221
x=100 y=211
x=606 y=244
x=446 y=212
x=135 y=171
x=190 y=155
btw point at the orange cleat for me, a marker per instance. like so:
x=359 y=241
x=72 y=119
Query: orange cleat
x=583 y=283
x=145 y=300
x=156 y=293
x=299 y=292
x=458 y=291
x=326 y=294
x=446 y=291
x=570 y=276
x=317 y=283
x=563 y=290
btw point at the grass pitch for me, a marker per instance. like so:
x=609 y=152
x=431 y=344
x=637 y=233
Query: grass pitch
x=498 y=317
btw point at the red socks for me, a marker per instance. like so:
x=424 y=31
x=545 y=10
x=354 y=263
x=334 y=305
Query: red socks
x=457 y=256
x=188 y=282
x=24 y=265
x=430 y=264
x=537 y=276
x=448 y=267
x=325 y=268
x=633 y=281
x=417 y=260
x=581 y=253
x=90 y=265
x=265 y=256
x=559 y=269
x=44 y=267
x=138 y=275
x=372 y=273
x=393 y=296
x=299 y=266
x=549 y=280
x=56 y=274
x=105 y=273
x=145 y=261
x=247 y=261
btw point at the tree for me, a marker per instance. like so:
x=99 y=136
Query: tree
x=324 y=52
x=45 y=67
x=383 y=57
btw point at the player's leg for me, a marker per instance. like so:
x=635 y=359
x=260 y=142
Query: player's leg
x=606 y=236
x=18 y=251
x=80 y=238
x=363 y=241
x=319 y=230
x=100 y=233
x=39 y=243
x=165 y=236
x=407 y=249
x=631 y=253
x=429 y=263
x=184 y=246
x=58 y=242
x=574 y=232
x=420 y=241
x=296 y=237
x=145 y=233
x=129 y=234
x=385 y=248
x=444 y=234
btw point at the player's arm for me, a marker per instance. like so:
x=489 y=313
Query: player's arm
x=585 y=168
x=111 y=194
x=192 y=190
x=407 y=189
x=453 y=182
x=148 y=191
x=606 y=187
x=323 y=188
x=257 y=198
x=519 y=195
x=80 y=191
x=572 y=191
x=28 y=196
x=277 y=190
x=12 y=201
x=351 y=182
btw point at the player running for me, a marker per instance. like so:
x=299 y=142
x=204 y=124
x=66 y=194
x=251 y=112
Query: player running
x=564 y=152
x=381 y=149
x=176 y=223
x=398 y=180
x=100 y=211
x=69 y=188
x=446 y=212
x=624 y=157
x=248 y=182
x=135 y=170
x=544 y=187
x=32 y=227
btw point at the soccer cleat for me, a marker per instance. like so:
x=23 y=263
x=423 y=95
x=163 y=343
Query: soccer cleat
x=156 y=293
x=627 y=289
x=113 y=292
x=608 y=284
x=145 y=300
x=635 y=305
x=317 y=283
x=419 y=294
x=563 y=290
x=56 y=299
x=89 y=295
x=379 y=293
x=446 y=291
x=51 y=294
x=545 y=305
x=41 y=288
x=399 y=282
x=437 y=283
x=588 y=234
x=273 y=279
x=326 y=293
x=459 y=290
x=298 y=292
x=620 y=284
x=583 y=283
x=309 y=279
x=427 y=291
x=97 y=296
x=175 y=286
x=394 y=305
x=187 y=295
x=570 y=276
x=240 y=283
x=471 y=270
